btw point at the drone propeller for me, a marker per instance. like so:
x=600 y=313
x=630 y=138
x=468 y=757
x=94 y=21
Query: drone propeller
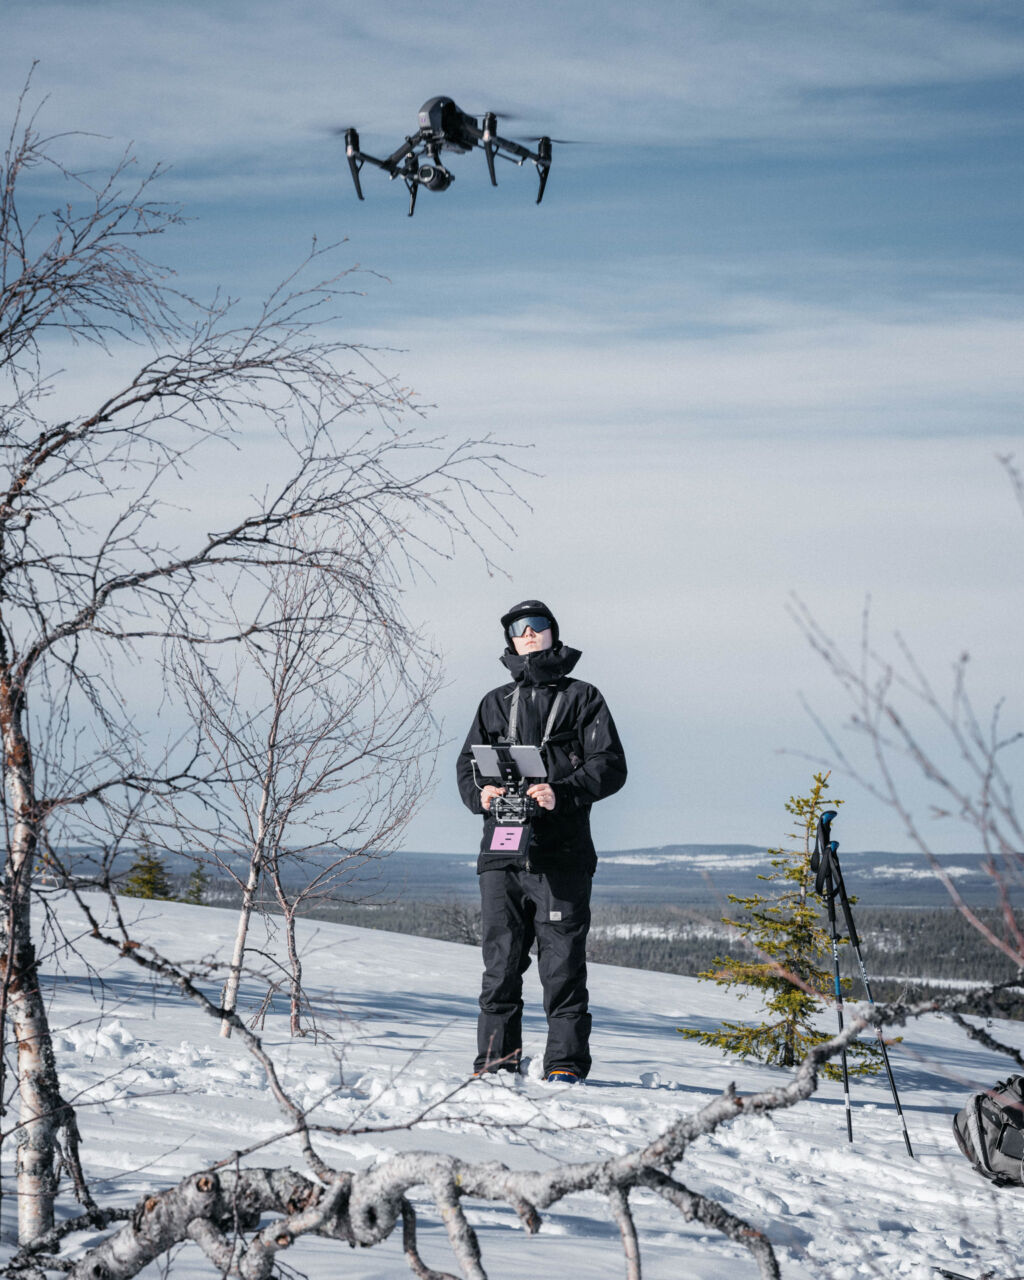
x=507 y=112
x=565 y=142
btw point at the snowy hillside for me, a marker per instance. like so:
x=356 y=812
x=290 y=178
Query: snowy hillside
x=702 y=875
x=161 y=1094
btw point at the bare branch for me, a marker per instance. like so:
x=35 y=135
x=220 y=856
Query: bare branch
x=418 y=1267
x=618 y=1199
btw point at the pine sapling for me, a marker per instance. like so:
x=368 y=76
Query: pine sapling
x=148 y=878
x=787 y=933
x=195 y=887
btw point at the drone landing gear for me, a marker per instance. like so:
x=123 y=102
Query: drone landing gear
x=355 y=158
x=543 y=163
x=488 y=143
x=491 y=144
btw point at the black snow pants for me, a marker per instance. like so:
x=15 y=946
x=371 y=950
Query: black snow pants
x=519 y=906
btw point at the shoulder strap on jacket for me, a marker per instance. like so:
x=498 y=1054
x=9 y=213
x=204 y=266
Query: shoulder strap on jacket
x=551 y=718
x=513 y=716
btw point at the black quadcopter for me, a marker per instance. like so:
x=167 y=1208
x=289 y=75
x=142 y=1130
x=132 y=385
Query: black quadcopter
x=444 y=127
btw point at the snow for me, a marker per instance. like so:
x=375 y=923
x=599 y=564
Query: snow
x=662 y=932
x=725 y=860
x=902 y=873
x=161 y=1094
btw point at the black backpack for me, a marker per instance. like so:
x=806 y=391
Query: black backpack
x=990 y=1132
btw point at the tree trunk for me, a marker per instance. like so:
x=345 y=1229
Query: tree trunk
x=289 y=910
x=40 y=1106
x=249 y=894
x=230 y=998
x=295 y=974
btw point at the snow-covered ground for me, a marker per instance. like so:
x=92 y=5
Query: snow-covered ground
x=725 y=859
x=161 y=1094
x=663 y=932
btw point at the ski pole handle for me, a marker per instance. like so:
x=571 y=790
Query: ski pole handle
x=820 y=860
x=851 y=928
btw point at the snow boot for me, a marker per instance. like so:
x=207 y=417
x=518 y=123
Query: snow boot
x=563 y=1075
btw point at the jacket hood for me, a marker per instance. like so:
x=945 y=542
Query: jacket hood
x=544 y=667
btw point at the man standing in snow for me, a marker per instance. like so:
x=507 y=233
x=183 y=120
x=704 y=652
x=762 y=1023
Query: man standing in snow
x=541 y=893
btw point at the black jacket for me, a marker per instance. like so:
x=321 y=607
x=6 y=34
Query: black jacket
x=584 y=756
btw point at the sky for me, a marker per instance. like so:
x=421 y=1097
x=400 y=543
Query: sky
x=761 y=340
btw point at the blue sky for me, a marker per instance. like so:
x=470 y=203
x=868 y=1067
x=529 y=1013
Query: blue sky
x=763 y=336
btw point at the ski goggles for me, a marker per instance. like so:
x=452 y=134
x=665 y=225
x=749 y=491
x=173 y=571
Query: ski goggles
x=536 y=622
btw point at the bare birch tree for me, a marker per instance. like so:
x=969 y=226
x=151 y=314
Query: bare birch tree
x=108 y=551
x=927 y=754
x=320 y=739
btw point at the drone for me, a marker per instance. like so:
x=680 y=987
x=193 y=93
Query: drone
x=445 y=127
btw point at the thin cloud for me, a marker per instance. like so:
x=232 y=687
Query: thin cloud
x=761 y=367
x=243 y=81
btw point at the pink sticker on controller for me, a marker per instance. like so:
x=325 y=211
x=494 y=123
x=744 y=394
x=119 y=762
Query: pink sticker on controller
x=506 y=839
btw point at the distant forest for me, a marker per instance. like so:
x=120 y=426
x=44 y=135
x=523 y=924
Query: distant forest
x=910 y=952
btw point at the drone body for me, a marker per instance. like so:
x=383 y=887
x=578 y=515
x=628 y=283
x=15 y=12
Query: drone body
x=445 y=127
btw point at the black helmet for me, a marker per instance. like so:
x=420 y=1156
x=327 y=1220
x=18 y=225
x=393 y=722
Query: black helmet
x=523 y=610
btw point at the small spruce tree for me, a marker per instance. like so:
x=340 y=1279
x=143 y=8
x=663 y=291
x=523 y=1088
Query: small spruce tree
x=147 y=878
x=789 y=934
x=196 y=886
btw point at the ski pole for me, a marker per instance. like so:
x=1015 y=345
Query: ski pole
x=851 y=930
x=821 y=862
